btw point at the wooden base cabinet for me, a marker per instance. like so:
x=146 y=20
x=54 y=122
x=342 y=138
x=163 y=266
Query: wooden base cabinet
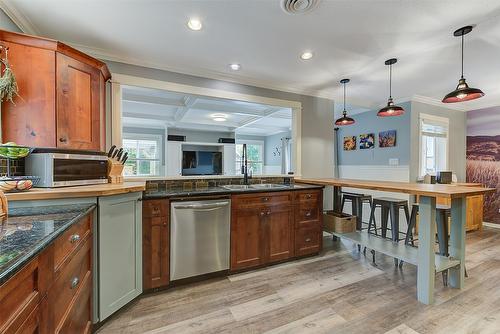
x=155 y=244
x=308 y=206
x=262 y=229
x=62 y=93
x=53 y=292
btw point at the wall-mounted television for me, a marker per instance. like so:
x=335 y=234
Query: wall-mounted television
x=201 y=163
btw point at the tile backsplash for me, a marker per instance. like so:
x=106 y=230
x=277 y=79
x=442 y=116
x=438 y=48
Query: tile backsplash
x=16 y=167
x=190 y=184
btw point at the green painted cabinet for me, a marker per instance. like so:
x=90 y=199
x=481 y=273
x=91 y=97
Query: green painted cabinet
x=120 y=251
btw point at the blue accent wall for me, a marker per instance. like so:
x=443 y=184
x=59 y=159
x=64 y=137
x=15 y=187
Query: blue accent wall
x=368 y=122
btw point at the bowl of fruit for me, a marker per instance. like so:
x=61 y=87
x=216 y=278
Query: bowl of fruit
x=11 y=150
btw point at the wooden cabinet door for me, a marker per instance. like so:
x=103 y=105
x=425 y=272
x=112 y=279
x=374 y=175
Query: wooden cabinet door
x=78 y=109
x=31 y=120
x=120 y=251
x=247 y=237
x=155 y=252
x=279 y=232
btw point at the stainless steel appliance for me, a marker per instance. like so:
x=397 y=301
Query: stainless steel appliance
x=199 y=238
x=60 y=168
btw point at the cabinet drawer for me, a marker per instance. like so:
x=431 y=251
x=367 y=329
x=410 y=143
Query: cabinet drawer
x=307 y=196
x=307 y=240
x=19 y=297
x=79 y=316
x=155 y=208
x=305 y=215
x=262 y=199
x=65 y=245
x=69 y=282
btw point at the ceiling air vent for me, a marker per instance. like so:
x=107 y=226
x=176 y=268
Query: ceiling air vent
x=298 y=6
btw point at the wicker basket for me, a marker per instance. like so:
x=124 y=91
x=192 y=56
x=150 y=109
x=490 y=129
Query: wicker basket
x=338 y=222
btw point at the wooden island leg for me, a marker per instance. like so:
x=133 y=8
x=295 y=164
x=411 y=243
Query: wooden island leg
x=426 y=256
x=457 y=241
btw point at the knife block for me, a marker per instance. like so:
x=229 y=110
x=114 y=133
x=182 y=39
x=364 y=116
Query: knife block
x=115 y=171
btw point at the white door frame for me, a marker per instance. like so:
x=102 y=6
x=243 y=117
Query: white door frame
x=123 y=79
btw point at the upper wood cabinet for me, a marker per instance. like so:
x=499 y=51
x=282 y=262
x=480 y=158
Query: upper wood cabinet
x=62 y=93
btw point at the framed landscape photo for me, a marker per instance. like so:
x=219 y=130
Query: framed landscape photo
x=387 y=138
x=366 y=141
x=349 y=143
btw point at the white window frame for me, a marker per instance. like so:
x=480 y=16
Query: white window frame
x=443 y=120
x=249 y=142
x=145 y=136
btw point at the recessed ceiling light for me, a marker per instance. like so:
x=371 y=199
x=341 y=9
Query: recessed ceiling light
x=235 y=66
x=306 y=55
x=194 y=24
x=219 y=117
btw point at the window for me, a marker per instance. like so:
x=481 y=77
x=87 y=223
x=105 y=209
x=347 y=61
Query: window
x=433 y=144
x=144 y=154
x=255 y=151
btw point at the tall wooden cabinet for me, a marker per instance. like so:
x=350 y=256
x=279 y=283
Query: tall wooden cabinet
x=61 y=100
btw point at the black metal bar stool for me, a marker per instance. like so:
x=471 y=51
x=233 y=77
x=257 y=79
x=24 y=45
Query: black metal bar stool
x=357 y=201
x=390 y=207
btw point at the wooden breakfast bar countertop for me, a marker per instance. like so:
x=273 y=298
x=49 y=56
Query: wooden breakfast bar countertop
x=96 y=190
x=422 y=189
x=424 y=257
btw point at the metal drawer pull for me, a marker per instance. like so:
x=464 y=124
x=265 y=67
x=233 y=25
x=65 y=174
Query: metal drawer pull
x=308 y=196
x=308 y=214
x=262 y=213
x=74 y=282
x=74 y=238
x=308 y=239
x=265 y=199
x=268 y=213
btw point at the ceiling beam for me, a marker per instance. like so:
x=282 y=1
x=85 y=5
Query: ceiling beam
x=135 y=98
x=147 y=116
x=268 y=112
x=188 y=102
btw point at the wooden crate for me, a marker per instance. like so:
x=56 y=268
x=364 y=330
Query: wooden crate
x=338 y=222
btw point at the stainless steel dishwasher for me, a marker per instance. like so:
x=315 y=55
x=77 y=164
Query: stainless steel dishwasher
x=199 y=238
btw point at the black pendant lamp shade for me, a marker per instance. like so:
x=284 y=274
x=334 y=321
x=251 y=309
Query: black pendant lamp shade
x=463 y=92
x=390 y=109
x=344 y=120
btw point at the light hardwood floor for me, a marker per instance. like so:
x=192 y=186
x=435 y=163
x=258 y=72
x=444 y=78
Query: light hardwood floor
x=337 y=292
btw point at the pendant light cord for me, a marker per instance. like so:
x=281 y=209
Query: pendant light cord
x=390 y=81
x=462 y=55
x=345 y=112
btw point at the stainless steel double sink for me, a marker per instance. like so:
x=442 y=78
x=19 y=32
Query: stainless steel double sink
x=254 y=186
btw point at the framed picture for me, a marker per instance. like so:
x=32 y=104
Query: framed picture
x=366 y=141
x=350 y=143
x=387 y=138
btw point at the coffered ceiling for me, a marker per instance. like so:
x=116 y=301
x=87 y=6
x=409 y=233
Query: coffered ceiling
x=152 y=108
x=348 y=38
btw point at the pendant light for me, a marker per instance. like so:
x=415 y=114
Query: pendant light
x=390 y=109
x=463 y=92
x=344 y=120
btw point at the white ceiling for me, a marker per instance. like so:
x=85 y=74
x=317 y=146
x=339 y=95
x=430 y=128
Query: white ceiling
x=152 y=108
x=349 y=38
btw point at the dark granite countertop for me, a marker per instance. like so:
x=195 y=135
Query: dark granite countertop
x=152 y=194
x=27 y=231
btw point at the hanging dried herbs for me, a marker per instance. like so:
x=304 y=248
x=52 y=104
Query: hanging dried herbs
x=8 y=84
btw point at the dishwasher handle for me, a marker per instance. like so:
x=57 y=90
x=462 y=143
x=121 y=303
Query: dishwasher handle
x=216 y=205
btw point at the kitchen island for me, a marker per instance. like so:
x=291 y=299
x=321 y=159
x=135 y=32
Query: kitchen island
x=427 y=261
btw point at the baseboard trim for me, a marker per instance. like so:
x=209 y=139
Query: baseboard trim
x=491 y=225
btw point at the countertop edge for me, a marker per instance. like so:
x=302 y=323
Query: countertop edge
x=21 y=262
x=193 y=193
x=77 y=192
